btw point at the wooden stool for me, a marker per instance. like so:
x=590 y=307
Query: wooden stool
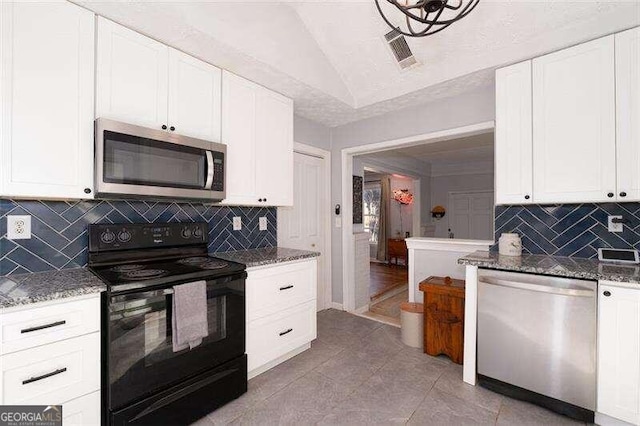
x=444 y=317
x=411 y=324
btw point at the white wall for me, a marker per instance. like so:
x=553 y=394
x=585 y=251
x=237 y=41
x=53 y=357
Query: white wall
x=469 y=108
x=442 y=185
x=311 y=133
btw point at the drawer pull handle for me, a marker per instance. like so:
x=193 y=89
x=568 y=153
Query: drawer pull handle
x=44 y=376
x=286 y=332
x=287 y=287
x=42 y=327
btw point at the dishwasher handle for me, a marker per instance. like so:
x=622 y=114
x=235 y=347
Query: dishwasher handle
x=537 y=287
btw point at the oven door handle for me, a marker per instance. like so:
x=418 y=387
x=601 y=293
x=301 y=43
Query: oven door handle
x=210 y=170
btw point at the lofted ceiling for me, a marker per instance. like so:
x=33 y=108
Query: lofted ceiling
x=331 y=58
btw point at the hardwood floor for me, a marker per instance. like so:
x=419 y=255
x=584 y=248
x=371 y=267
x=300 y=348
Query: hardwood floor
x=385 y=278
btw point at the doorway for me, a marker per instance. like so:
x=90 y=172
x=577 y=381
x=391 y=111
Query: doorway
x=440 y=171
x=471 y=215
x=306 y=225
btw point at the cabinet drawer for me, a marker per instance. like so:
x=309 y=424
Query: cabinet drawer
x=273 y=336
x=273 y=289
x=83 y=411
x=33 y=327
x=52 y=373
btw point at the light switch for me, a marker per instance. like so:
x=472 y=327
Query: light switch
x=237 y=223
x=338 y=222
x=262 y=223
x=18 y=227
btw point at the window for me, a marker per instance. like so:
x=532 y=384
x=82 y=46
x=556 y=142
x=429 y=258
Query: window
x=371 y=207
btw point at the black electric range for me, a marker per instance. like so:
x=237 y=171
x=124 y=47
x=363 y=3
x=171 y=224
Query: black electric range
x=144 y=380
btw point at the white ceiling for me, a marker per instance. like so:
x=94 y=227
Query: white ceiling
x=330 y=57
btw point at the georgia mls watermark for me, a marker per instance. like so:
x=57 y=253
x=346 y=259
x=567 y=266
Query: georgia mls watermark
x=30 y=415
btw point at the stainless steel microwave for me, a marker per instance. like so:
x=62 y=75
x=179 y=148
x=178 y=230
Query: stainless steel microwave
x=137 y=162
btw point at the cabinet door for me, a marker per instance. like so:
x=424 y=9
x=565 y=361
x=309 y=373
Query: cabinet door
x=194 y=97
x=619 y=353
x=574 y=124
x=274 y=148
x=131 y=82
x=514 y=151
x=47 y=57
x=628 y=114
x=239 y=133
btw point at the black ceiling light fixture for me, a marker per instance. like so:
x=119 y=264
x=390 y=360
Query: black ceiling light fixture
x=425 y=17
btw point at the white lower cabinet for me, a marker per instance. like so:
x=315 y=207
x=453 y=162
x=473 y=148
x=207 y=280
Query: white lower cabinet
x=619 y=352
x=59 y=363
x=83 y=411
x=281 y=313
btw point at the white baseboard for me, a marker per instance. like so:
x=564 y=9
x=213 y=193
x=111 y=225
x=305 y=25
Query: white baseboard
x=336 y=305
x=361 y=310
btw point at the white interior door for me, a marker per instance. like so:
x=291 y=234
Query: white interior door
x=301 y=226
x=471 y=215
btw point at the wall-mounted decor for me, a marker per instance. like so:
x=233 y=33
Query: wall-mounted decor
x=357 y=199
x=438 y=212
x=404 y=198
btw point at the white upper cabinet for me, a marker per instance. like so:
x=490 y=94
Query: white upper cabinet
x=194 y=97
x=628 y=114
x=619 y=353
x=46 y=139
x=574 y=135
x=141 y=81
x=513 y=143
x=131 y=76
x=239 y=134
x=257 y=126
x=274 y=148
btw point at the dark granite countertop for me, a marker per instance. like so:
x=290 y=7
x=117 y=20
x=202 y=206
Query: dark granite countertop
x=588 y=269
x=25 y=289
x=266 y=256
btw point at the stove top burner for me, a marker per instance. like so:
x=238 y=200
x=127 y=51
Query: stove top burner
x=199 y=260
x=145 y=274
x=213 y=264
x=126 y=268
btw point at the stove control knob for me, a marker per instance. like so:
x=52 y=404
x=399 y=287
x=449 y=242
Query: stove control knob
x=124 y=236
x=186 y=233
x=107 y=237
x=197 y=232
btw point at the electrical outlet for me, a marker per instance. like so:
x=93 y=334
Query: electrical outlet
x=614 y=227
x=18 y=227
x=262 y=223
x=237 y=223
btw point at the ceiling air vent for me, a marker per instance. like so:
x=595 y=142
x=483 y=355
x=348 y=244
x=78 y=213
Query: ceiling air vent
x=400 y=49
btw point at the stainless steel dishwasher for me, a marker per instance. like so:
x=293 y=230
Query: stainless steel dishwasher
x=537 y=340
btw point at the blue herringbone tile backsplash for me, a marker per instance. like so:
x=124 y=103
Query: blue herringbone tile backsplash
x=59 y=228
x=574 y=230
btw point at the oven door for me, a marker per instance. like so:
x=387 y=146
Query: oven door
x=141 y=359
x=134 y=161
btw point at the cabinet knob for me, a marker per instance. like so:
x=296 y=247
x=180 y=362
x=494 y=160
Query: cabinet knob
x=164 y=127
x=265 y=200
x=259 y=200
x=623 y=194
x=526 y=197
x=172 y=128
x=607 y=293
x=87 y=191
x=610 y=195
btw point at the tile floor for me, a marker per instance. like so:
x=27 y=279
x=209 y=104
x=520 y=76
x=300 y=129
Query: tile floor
x=359 y=372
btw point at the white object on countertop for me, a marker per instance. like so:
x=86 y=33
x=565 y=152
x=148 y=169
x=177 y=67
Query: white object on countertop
x=510 y=244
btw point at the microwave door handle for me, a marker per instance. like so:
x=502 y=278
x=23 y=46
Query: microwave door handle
x=210 y=170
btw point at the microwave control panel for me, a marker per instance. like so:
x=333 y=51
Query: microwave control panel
x=218 y=171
